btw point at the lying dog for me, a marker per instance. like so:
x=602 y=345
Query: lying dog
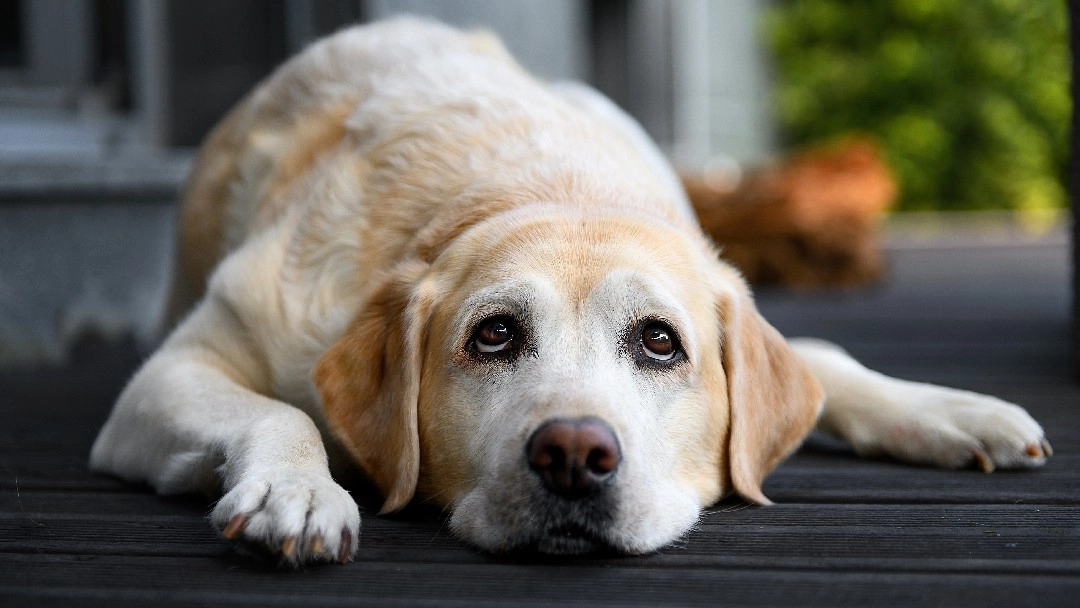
x=488 y=293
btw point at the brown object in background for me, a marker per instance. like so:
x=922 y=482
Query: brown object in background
x=812 y=219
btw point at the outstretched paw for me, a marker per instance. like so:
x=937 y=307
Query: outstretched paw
x=1007 y=437
x=952 y=428
x=301 y=516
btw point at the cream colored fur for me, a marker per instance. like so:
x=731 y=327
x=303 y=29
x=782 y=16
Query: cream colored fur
x=350 y=224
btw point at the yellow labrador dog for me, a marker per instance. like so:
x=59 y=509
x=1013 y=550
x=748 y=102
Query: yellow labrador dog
x=403 y=253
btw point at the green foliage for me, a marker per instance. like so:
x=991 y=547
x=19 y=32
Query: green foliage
x=969 y=98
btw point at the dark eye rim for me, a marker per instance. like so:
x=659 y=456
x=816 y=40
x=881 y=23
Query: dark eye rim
x=513 y=343
x=639 y=349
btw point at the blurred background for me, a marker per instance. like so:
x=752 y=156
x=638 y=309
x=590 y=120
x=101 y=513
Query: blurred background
x=958 y=105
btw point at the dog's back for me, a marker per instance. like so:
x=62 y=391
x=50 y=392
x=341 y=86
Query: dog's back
x=412 y=102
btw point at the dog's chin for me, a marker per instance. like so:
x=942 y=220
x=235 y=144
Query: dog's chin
x=571 y=540
x=532 y=523
x=537 y=531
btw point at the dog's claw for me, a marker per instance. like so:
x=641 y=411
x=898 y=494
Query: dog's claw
x=345 y=552
x=235 y=527
x=983 y=460
x=1049 y=451
x=288 y=547
x=316 y=545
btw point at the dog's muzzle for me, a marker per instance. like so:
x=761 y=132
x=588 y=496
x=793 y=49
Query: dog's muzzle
x=576 y=461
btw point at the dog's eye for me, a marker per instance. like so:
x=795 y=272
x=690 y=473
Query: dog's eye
x=494 y=335
x=658 y=342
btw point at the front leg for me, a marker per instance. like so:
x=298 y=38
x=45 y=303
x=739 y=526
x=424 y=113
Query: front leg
x=190 y=420
x=917 y=422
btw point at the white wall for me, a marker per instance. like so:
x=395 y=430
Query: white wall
x=711 y=85
x=722 y=105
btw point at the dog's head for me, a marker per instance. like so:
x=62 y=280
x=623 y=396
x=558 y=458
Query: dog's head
x=567 y=381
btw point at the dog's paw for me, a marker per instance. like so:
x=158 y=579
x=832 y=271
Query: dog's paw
x=952 y=428
x=301 y=516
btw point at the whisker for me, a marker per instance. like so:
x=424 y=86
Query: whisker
x=445 y=521
x=464 y=483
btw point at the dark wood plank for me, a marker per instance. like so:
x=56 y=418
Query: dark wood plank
x=982 y=538
x=180 y=581
x=828 y=477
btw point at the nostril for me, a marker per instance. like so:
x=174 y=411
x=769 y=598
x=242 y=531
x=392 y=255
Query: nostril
x=602 y=461
x=573 y=457
x=548 y=457
x=600 y=450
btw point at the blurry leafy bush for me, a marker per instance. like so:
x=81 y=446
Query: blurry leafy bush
x=969 y=98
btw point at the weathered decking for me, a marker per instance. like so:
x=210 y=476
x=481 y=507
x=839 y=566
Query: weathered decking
x=845 y=532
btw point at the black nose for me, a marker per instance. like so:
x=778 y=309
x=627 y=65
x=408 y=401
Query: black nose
x=573 y=457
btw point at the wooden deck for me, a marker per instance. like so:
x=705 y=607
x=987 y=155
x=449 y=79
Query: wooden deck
x=845 y=532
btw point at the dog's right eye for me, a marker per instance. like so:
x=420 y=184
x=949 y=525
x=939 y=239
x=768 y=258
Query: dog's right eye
x=494 y=335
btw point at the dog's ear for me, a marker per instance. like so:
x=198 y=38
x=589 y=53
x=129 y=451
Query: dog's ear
x=369 y=381
x=773 y=400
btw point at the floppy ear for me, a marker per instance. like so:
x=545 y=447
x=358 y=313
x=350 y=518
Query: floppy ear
x=773 y=399
x=370 y=384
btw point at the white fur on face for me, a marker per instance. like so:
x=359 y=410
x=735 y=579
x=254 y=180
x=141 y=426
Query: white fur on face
x=575 y=358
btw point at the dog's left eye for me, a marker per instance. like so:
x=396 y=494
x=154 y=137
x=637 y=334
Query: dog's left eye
x=658 y=342
x=494 y=335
